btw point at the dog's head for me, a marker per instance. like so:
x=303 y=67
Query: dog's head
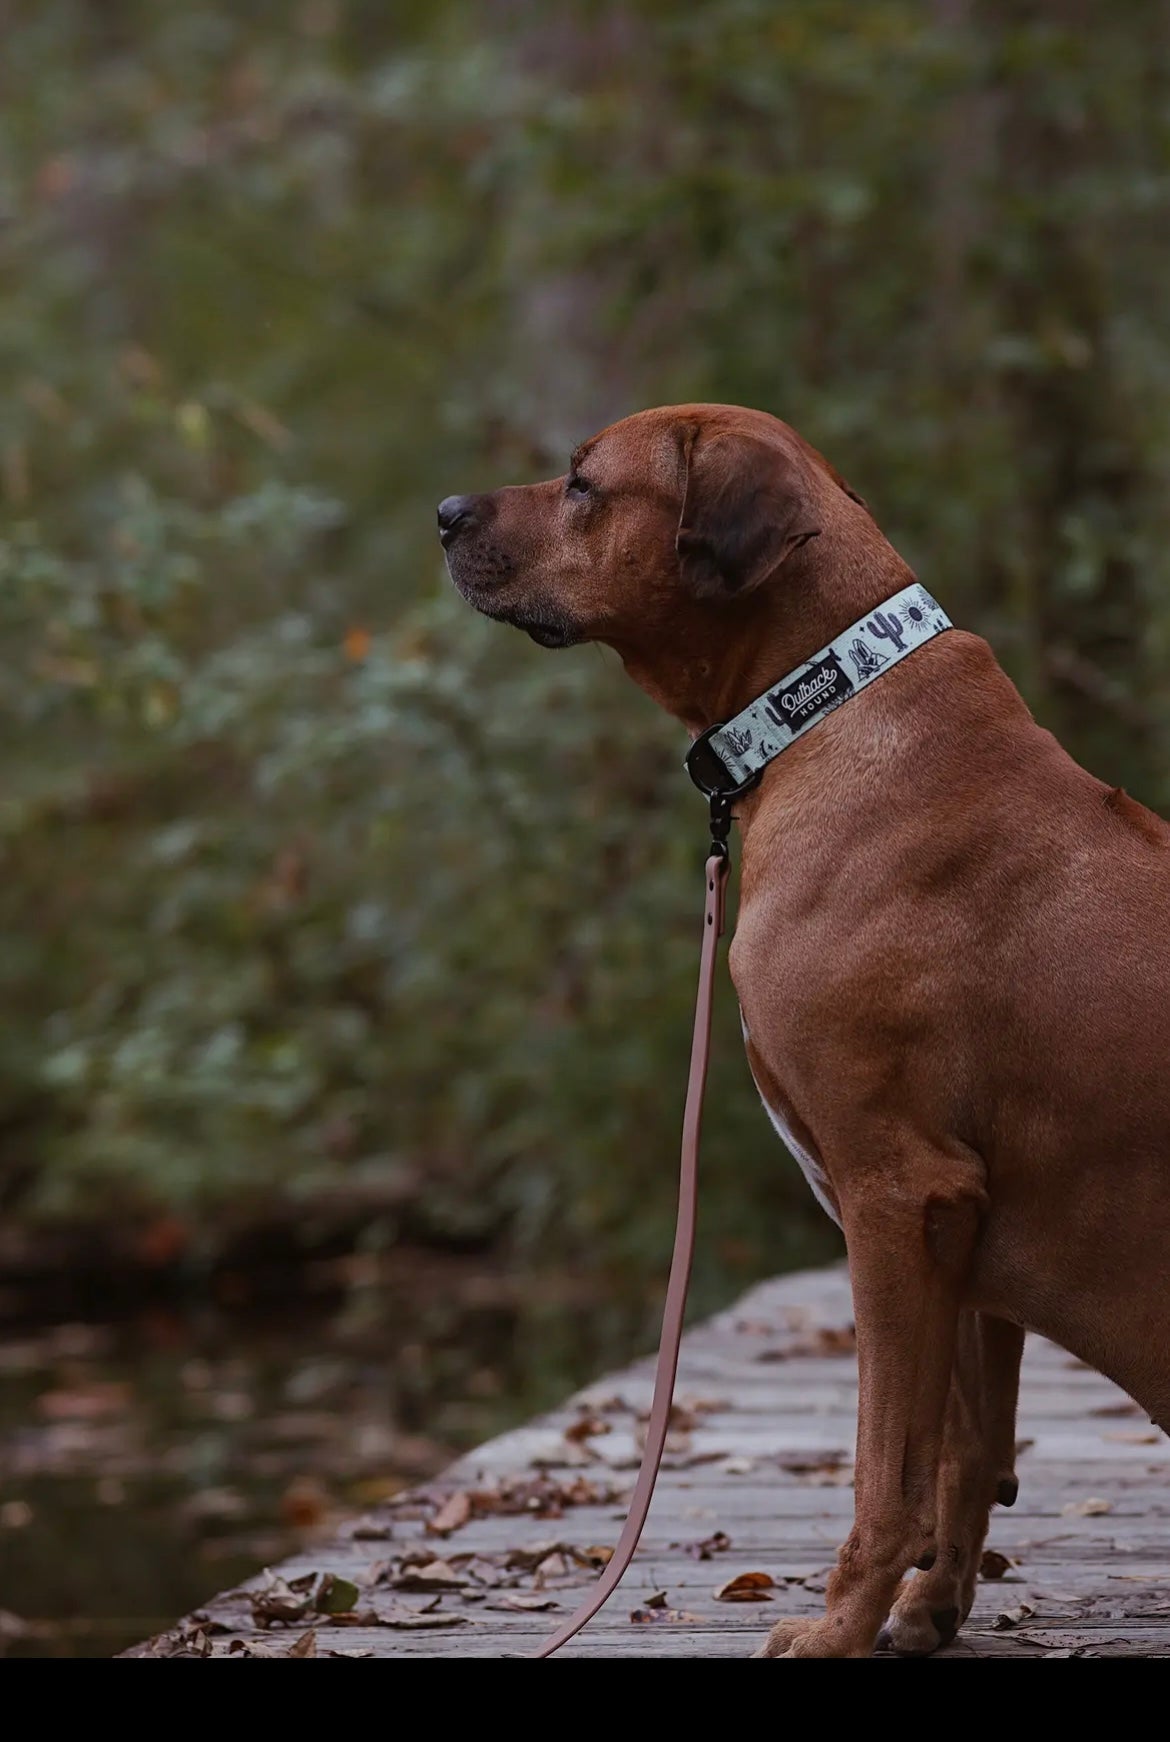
x=669 y=510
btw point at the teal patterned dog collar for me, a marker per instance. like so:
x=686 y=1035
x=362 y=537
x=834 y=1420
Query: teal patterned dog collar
x=731 y=757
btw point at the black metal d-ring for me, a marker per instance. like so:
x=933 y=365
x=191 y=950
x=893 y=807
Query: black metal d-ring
x=709 y=771
x=715 y=781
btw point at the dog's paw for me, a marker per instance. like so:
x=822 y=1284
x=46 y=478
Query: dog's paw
x=915 y=1629
x=784 y=1635
x=822 y=1638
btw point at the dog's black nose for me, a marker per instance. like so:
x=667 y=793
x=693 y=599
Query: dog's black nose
x=456 y=514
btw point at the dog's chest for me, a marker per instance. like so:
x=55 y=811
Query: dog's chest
x=809 y=1163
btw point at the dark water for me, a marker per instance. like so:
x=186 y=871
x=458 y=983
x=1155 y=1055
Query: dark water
x=146 y=1465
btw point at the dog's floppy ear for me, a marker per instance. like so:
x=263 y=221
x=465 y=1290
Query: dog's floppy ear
x=745 y=508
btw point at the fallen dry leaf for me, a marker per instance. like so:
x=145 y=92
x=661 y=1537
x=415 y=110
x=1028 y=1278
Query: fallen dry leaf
x=682 y=1459
x=830 y=1340
x=1117 y=1409
x=431 y=1576
x=526 y=1560
x=371 y=1532
x=305 y=1646
x=480 y=1569
x=452 y=1515
x=403 y=1617
x=1060 y=1639
x=420 y=1554
x=209 y=1623
x=737 y=1466
x=705 y=1405
x=1009 y=1618
x=553 y=1566
x=611 y=1403
x=293 y=1599
x=815 y=1582
x=799 y=1463
x=993 y=1565
x=598 y=1555
x=1092 y=1507
x=193 y=1642
x=717 y=1543
x=354 y=1651
x=661 y=1617
x=252 y=1648
x=279 y=1601
x=747 y=1588
x=523 y=1601
x=1133 y=1439
x=683 y=1414
x=831 y=1469
x=587 y=1425
x=542 y=1496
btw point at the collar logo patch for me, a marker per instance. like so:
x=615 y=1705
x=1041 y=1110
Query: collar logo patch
x=820 y=686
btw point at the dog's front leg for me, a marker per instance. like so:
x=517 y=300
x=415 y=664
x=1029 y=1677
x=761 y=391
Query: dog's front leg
x=911 y=1230
x=976 y=1468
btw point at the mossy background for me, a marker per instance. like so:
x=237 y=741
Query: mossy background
x=323 y=899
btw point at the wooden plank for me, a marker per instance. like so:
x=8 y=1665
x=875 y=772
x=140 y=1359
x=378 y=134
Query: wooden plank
x=763 y=1454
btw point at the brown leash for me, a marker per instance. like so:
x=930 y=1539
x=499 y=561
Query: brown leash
x=680 y=1263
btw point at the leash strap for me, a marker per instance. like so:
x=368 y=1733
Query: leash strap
x=680 y=1263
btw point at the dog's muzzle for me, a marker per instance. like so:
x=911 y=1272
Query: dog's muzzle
x=485 y=573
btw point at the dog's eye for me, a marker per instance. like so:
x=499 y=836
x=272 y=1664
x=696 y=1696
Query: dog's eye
x=576 y=485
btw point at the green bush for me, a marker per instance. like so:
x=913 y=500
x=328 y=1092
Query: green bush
x=312 y=882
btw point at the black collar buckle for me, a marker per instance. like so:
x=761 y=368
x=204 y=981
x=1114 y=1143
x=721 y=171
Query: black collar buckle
x=717 y=784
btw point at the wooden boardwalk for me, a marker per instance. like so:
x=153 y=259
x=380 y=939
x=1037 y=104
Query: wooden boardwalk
x=485 y=1561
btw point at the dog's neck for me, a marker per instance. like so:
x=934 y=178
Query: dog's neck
x=716 y=656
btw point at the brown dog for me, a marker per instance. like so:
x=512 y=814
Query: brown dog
x=952 y=958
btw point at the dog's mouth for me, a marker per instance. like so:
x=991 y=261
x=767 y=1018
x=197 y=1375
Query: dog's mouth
x=546 y=627
x=543 y=622
x=543 y=630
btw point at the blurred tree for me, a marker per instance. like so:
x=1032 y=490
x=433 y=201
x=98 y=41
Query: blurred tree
x=296 y=906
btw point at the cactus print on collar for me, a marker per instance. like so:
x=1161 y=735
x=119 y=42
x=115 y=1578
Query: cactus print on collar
x=861 y=653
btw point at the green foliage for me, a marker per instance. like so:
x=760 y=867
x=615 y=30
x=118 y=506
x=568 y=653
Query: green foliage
x=312 y=881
